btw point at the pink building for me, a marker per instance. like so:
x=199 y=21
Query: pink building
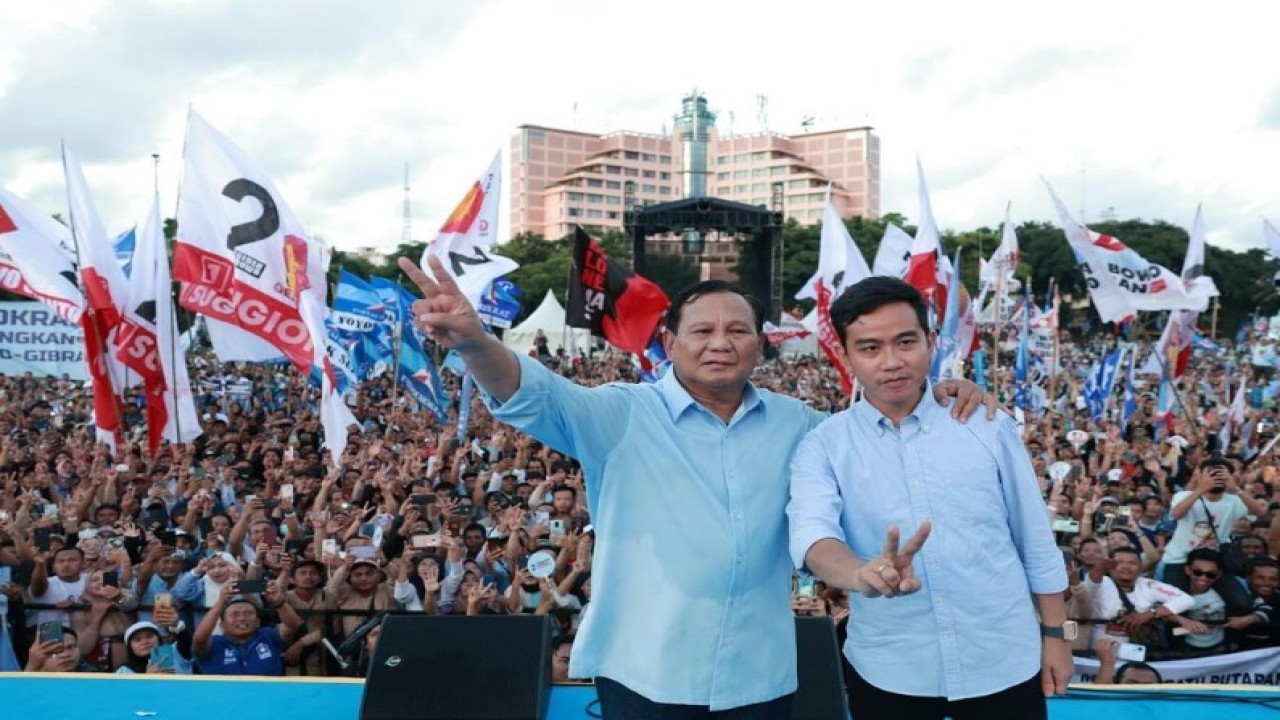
x=562 y=178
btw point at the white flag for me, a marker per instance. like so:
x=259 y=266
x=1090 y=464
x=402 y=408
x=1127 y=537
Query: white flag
x=36 y=259
x=148 y=336
x=1197 y=283
x=244 y=259
x=1122 y=282
x=465 y=238
x=840 y=263
x=893 y=254
x=1272 y=236
x=1004 y=259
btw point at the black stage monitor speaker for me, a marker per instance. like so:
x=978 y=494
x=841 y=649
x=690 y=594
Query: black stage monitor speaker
x=460 y=668
x=821 y=695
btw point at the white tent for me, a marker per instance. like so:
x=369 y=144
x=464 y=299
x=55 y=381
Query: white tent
x=549 y=318
x=798 y=347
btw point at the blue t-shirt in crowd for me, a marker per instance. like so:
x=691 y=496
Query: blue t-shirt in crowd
x=259 y=655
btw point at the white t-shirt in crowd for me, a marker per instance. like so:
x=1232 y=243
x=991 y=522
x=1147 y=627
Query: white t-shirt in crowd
x=58 y=591
x=1225 y=513
x=1212 y=611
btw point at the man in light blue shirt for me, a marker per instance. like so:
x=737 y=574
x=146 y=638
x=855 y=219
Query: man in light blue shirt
x=687 y=484
x=945 y=626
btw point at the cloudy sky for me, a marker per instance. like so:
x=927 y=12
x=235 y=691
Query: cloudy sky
x=1146 y=110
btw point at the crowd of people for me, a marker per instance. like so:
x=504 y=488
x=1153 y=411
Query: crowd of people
x=247 y=552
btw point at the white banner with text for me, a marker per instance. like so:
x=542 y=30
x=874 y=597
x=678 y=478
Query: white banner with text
x=33 y=339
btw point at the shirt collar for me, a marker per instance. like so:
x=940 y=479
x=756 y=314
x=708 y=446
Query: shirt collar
x=677 y=399
x=927 y=412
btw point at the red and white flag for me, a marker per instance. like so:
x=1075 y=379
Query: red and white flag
x=1121 y=282
x=893 y=254
x=244 y=259
x=465 y=237
x=37 y=259
x=928 y=270
x=104 y=288
x=840 y=265
x=147 y=340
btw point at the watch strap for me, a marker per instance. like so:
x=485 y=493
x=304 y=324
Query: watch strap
x=1053 y=631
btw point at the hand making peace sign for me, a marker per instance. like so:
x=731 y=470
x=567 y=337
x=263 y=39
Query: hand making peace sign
x=891 y=573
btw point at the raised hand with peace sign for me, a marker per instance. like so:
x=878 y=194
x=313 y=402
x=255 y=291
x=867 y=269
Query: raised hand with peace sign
x=447 y=317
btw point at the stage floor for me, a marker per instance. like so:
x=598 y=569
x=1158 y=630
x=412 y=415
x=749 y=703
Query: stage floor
x=114 y=697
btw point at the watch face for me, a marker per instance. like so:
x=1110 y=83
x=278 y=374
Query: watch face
x=1070 y=630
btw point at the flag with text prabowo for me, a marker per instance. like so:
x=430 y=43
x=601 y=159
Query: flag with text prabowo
x=610 y=300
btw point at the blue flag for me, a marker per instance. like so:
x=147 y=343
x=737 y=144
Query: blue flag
x=414 y=367
x=464 y=406
x=654 y=364
x=1097 y=393
x=944 y=360
x=500 y=305
x=124 y=245
x=1130 y=403
x=1022 y=390
x=980 y=369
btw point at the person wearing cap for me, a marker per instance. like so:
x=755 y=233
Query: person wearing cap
x=139 y=640
x=895 y=465
x=360 y=588
x=697 y=460
x=245 y=647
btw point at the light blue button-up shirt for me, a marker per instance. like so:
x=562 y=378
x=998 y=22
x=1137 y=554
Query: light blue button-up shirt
x=691 y=581
x=972 y=629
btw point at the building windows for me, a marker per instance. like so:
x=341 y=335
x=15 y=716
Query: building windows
x=575 y=212
x=797 y=184
x=613 y=185
x=719 y=176
x=612 y=170
x=664 y=175
x=649 y=174
x=759 y=187
x=740 y=158
x=594 y=183
x=664 y=159
x=648 y=189
x=777 y=170
x=575 y=196
x=740 y=174
x=631 y=172
x=648 y=157
x=664 y=190
x=631 y=155
x=595 y=214
x=611 y=215
x=739 y=189
x=612 y=200
x=722 y=159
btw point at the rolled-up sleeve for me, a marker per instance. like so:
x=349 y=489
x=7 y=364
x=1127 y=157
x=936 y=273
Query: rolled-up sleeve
x=1028 y=523
x=570 y=418
x=815 y=506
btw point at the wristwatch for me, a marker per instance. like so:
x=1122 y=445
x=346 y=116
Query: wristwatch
x=1066 y=631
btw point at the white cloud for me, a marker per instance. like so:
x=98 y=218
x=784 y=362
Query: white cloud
x=1159 y=111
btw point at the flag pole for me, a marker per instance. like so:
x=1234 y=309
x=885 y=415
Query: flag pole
x=177 y=298
x=1055 y=368
x=397 y=338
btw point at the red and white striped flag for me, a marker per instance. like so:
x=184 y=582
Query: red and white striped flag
x=104 y=289
x=37 y=259
x=147 y=340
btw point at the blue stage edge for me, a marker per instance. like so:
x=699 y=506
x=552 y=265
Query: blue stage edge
x=110 y=697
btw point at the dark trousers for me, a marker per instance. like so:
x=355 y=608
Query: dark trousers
x=1024 y=701
x=1235 y=595
x=618 y=702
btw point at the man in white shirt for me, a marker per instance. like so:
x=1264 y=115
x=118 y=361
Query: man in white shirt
x=1134 y=602
x=65 y=589
x=1204 y=621
x=1205 y=513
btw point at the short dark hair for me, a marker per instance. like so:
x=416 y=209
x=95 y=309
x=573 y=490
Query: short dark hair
x=871 y=294
x=1120 y=672
x=711 y=287
x=565 y=488
x=1127 y=549
x=1205 y=555
x=1262 y=562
